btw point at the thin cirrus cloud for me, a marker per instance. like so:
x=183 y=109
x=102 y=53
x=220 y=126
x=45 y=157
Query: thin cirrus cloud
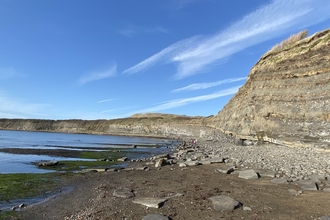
x=131 y=31
x=6 y=73
x=185 y=101
x=112 y=71
x=199 y=86
x=15 y=108
x=194 y=55
x=106 y=100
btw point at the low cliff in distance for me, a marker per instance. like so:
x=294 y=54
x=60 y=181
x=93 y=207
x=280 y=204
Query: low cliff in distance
x=286 y=98
x=150 y=125
x=285 y=101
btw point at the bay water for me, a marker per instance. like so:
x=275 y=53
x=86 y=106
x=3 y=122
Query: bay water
x=25 y=163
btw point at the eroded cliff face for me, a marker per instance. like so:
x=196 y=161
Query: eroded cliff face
x=286 y=98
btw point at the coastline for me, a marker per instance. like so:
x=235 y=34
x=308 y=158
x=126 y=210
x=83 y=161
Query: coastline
x=260 y=198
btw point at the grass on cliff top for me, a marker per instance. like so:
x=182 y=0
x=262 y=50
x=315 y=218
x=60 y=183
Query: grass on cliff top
x=289 y=41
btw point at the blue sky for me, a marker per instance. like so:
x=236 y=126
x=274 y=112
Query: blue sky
x=106 y=59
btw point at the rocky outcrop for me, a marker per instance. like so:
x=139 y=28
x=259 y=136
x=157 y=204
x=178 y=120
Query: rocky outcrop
x=286 y=98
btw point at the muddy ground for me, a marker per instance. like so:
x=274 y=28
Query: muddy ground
x=92 y=196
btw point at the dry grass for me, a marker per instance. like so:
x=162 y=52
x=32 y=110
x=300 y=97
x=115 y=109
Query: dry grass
x=289 y=41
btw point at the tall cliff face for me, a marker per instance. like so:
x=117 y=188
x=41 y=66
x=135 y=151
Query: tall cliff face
x=286 y=98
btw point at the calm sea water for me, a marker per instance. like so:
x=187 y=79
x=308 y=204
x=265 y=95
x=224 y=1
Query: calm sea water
x=23 y=163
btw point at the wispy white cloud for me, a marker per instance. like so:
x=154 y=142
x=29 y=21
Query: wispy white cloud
x=192 y=56
x=16 y=108
x=112 y=71
x=186 y=101
x=133 y=30
x=6 y=73
x=179 y=4
x=106 y=100
x=163 y=56
x=198 y=86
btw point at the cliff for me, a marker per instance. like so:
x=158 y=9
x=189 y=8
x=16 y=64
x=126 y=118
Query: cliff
x=286 y=99
x=149 y=125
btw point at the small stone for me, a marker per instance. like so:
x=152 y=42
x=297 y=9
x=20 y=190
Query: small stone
x=123 y=193
x=21 y=205
x=122 y=159
x=245 y=208
x=224 y=203
x=160 y=162
x=182 y=165
x=294 y=192
x=225 y=170
x=150 y=202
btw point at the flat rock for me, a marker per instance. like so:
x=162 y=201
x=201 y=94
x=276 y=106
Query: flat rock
x=205 y=161
x=155 y=217
x=192 y=163
x=224 y=203
x=150 y=202
x=166 y=156
x=279 y=181
x=123 y=193
x=268 y=173
x=94 y=170
x=227 y=170
x=307 y=184
x=48 y=163
x=248 y=174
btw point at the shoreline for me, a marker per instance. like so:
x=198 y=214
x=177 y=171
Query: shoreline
x=197 y=184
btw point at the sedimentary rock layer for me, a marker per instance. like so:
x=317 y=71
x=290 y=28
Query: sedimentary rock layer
x=286 y=98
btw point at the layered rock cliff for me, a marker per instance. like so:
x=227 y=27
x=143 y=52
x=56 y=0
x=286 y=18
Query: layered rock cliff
x=152 y=125
x=286 y=98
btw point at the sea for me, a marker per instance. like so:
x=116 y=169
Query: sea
x=26 y=163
